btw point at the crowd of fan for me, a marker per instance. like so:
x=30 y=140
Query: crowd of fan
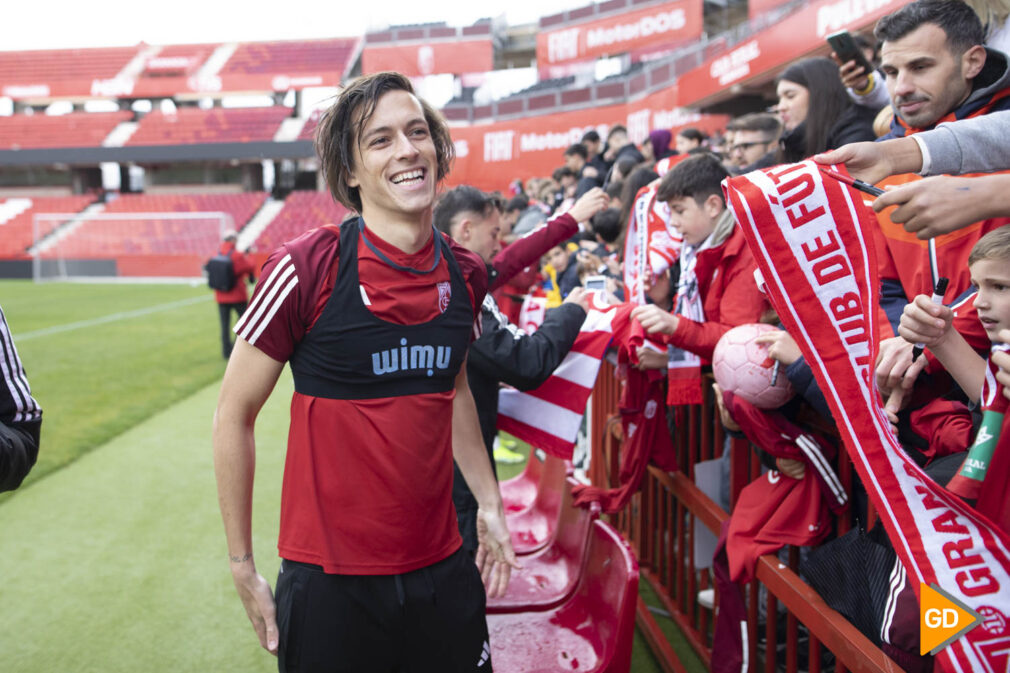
x=934 y=106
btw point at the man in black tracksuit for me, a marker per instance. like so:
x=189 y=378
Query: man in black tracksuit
x=20 y=415
x=504 y=353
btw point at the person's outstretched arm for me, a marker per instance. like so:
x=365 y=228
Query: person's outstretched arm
x=495 y=556
x=248 y=381
x=977 y=145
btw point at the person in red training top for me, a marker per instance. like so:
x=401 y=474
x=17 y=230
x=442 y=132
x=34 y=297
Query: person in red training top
x=236 y=298
x=375 y=318
x=716 y=289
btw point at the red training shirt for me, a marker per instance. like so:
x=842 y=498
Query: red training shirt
x=367 y=483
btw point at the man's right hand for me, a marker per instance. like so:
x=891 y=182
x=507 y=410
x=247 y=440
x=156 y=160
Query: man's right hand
x=258 y=601
x=872 y=162
x=864 y=161
x=579 y=296
x=589 y=204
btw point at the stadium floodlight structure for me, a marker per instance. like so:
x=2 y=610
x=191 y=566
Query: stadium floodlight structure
x=134 y=247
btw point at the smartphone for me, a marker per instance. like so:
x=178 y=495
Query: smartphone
x=845 y=47
x=596 y=283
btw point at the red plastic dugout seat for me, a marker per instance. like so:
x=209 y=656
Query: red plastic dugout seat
x=549 y=576
x=519 y=492
x=591 y=631
x=533 y=527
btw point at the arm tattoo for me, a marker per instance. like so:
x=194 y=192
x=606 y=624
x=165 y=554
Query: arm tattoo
x=240 y=559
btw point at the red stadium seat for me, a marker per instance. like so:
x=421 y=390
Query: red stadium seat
x=519 y=492
x=303 y=210
x=291 y=57
x=549 y=576
x=48 y=66
x=38 y=131
x=590 y=632
x=188 y=126
x=532 y=528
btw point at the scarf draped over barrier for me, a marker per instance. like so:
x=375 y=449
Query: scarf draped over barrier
x=811 y=238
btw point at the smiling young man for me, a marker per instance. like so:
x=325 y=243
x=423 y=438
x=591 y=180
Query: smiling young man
x=374 y=318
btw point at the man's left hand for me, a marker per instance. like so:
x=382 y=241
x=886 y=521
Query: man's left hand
x=495 y=556
x=937 y=205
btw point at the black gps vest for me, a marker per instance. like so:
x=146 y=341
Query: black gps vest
x=350 y=354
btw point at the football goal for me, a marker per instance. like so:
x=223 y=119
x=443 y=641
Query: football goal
x=136 y=247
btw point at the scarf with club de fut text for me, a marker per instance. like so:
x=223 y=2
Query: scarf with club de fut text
x=811 y=238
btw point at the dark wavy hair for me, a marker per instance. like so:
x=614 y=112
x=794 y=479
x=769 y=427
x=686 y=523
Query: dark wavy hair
x=463 y=199
x=959 y=22
x=341 y=125
x=827 y=101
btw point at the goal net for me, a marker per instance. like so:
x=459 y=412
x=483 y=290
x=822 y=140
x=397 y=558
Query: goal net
x=125 y=246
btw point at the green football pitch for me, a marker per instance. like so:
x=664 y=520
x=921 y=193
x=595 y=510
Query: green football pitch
x=112 y=554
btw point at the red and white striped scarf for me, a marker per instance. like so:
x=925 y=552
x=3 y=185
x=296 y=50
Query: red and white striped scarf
x=812 y=240
x=650 y=245
x=550 y=416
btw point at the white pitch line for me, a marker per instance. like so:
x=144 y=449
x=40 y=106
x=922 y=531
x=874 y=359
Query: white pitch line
x=112 y=317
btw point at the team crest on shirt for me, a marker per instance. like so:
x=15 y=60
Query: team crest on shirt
x=444 y=295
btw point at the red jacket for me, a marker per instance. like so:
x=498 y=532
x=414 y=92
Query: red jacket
x=730 y=296
x=243 y=270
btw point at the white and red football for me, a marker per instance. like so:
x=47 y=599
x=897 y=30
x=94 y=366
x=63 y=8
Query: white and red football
x=743 y=367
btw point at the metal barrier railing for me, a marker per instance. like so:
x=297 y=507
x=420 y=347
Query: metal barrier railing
x=660 y=522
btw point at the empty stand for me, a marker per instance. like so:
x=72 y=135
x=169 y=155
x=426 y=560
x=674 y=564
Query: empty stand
x=303 y=210
x=52 y=65
x=16 y=220
x=592 y=631
x=79 y=129
x=303 y=56
x=308 y=131
x=104 y=238
x=178 y=60
x=188 y=126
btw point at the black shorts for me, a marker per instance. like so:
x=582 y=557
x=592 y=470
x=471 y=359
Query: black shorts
x=430 y=619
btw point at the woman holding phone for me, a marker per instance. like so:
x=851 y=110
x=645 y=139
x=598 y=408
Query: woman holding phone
x=816 y=113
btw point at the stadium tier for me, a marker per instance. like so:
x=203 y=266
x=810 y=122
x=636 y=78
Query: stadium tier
x=17 y=216
x=308 y=131
x=177 y=60
x=79 y=129
x=34 y=67
x=303 y=56
x=302 y=211
x=218 y=125
x=101 y=238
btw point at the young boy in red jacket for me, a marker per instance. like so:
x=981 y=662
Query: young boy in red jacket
x=716 y=290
